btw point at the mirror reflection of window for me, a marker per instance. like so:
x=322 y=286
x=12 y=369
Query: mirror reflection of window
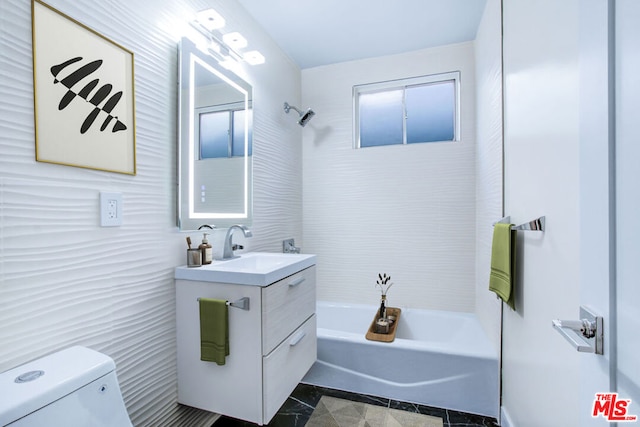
x=221 y=133
x=214 y=134
x=237 y=141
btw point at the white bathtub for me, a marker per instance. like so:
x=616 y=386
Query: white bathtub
x=441 y=359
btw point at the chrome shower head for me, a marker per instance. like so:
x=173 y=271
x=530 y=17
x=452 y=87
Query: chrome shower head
x=304 y=116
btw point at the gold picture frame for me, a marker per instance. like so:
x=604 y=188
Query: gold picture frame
x=84 y=100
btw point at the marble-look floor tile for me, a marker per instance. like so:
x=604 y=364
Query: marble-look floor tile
x=451 y=418
x=420 y=409
x=311 y=395
x=297 y=409
x=460 y=419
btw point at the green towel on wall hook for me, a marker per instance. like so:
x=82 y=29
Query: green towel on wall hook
x=503 y=261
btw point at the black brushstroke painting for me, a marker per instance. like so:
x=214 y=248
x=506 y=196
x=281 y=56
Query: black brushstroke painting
x=100 y=95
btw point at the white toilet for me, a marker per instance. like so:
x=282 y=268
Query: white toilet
x=76 y=387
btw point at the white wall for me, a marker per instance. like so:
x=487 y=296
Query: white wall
x=488 y=54
x=541 y=68
x=64 y=280
x=627 y=152
x=407 y=210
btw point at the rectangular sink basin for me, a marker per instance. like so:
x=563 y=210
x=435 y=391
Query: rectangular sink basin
x=252 y=268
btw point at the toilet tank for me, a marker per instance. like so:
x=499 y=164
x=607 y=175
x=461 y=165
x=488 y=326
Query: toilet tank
x=75 y=387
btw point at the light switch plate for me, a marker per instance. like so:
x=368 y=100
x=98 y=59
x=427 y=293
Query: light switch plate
x=110 y=209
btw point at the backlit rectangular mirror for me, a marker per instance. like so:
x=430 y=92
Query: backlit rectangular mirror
x=215 y=146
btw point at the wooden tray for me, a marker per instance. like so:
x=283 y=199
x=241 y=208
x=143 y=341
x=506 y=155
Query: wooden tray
x=372 y=335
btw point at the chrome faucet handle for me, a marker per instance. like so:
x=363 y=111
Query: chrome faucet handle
x=289 y=247
x=229 y=247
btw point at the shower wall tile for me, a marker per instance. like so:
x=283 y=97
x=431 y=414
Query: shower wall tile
x=408 y=210
x=489 y=176
x=64 y=280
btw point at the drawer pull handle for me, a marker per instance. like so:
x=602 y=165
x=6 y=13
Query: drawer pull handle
x=297 y=339
x=296 y=282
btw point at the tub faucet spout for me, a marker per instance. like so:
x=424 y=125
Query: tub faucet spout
x=229 y=247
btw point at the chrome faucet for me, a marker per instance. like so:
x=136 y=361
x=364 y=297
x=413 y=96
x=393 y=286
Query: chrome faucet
x=229 y=247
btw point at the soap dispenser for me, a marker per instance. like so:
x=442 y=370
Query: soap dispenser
x=207 y=251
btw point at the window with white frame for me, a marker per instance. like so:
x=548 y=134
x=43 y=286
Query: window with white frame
x=407 y=111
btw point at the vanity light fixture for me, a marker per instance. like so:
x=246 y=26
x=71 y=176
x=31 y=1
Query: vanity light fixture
x=229 y=63
x=225 y=48
x=214 y=46
x=210 y=19
x=219 y=52
x=253 y=57
x=234 y=40
x=221 y=58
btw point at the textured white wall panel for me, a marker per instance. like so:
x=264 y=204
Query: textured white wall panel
x=542 y=124
x=488 y=53
x=408 y=210
x=64 y=280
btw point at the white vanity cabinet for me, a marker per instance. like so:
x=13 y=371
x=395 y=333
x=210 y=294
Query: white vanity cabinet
x=272 y=345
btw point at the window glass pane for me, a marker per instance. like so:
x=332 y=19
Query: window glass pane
x=380 y=118
x=238 y=132
x=430 y=112
x=214 y=135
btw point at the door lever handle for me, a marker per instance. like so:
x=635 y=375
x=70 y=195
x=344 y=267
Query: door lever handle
x=585 y=327
x=586 y=334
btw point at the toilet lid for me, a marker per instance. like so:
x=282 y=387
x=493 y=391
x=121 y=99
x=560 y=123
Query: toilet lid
x=29 y=387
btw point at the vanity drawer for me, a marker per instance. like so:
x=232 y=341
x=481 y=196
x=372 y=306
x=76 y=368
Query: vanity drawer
x=286 y=365
x=285 y=305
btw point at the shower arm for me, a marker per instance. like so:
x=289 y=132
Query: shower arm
x=288 y=107
x=304 y=116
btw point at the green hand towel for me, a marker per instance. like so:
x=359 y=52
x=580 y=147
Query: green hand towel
x=214 y=330
x=503 y=259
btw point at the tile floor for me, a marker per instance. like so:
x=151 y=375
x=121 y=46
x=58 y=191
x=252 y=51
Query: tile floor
x=298 y=408
x=335 y=412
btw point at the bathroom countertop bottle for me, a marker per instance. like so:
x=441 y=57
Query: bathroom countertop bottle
x=207 y=250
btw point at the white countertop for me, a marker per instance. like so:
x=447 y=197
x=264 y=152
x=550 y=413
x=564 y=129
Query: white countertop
x=252 y=268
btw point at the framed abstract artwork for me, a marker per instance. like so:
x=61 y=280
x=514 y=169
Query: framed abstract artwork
x=83 y=95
